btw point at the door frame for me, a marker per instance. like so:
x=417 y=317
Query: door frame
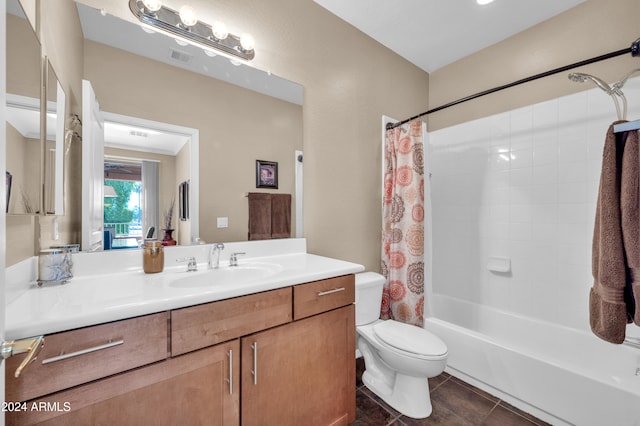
x=194 y=153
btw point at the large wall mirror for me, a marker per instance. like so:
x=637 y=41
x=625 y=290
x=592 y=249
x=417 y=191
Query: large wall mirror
x=146 y=84
x=24 y=81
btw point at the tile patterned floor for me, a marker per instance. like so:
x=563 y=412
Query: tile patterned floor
x=455 y=403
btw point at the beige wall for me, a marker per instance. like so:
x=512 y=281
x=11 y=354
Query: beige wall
x=23 y=58
x=593 y=28
x=22 y=160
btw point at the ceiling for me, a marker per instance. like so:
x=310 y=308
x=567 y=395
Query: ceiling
x=434 y=33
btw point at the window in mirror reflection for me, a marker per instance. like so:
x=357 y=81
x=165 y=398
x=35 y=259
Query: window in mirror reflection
x=123 y=204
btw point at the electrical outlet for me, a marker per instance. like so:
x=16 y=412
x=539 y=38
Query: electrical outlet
x=223 y=222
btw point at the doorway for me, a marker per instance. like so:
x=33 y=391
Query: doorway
x=149 y=161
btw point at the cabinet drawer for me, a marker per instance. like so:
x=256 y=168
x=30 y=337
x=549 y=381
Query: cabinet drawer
x=200 y=326
x=321 y=296
x=78 y=356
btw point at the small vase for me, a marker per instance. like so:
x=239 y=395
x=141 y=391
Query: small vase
x=168 y=240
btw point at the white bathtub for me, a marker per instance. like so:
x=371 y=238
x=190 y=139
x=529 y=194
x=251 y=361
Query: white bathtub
x=559 y=374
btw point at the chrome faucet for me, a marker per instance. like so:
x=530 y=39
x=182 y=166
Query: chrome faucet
x=215 y=250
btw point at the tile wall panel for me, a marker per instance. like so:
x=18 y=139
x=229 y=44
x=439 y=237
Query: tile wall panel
x=522 y=185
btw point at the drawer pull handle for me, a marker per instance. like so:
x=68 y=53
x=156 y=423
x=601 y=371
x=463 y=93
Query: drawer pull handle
x=335 y=290
x=230 y=371
x=254 y=346
x=64 y=356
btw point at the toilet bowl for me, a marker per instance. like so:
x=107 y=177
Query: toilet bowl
x=399 y=358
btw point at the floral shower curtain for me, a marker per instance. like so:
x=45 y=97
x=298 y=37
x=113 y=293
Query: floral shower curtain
x=403 y=225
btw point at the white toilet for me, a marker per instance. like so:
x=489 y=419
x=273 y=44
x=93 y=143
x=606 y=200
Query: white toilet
x=399 y=358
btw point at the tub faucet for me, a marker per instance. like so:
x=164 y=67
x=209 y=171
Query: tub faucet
x=215 y=250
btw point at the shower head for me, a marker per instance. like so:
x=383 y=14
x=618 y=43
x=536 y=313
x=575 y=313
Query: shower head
x=581 y=78
x=577 y=77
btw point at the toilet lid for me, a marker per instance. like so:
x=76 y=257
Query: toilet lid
x=409 y=338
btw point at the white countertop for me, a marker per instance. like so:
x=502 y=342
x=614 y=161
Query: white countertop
x=101 y=297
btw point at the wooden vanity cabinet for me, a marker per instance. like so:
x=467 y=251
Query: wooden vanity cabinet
x=302 y=373
x=281 y=357
x=191 y=389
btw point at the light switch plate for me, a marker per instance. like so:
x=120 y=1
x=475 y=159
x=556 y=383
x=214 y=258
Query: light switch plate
x=223 y=222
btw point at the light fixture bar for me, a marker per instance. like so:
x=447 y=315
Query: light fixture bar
x=168 y=20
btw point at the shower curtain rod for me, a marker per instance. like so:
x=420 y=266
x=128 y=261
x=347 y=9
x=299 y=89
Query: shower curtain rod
x=634 y=50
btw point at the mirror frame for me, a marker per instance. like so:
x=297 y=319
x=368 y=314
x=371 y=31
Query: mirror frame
x=59 y=108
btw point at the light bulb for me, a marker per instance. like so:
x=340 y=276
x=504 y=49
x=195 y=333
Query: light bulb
x=235 y=62
x=247 y=42
x=484 y=1
x=152 y=5
x=210 y=53
x=181 y=42
x=188 y=15
x=219 y=30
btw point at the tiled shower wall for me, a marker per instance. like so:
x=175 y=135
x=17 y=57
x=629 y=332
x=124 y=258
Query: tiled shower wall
x=522 y=185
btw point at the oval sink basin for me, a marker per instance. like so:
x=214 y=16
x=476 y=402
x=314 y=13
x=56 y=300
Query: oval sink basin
x=226 y=275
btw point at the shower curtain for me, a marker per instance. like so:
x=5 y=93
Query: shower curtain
x=403 y=225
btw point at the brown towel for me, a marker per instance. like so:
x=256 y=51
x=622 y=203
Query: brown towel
x=630 y=211
x=259 y=216
x=281 y=216
x=269 y=216
x=615 y=237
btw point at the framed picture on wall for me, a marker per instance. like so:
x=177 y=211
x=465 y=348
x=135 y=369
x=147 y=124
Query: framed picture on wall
x=266 y=174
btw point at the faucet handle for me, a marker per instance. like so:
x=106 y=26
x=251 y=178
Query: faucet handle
x=233 y=259
x=192 y=266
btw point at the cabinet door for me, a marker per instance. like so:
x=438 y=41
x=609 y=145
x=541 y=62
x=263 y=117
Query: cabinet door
x=192 y=389
x=301 y=373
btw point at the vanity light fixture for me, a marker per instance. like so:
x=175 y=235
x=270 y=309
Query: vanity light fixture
x=483 y=2
x=184 y=24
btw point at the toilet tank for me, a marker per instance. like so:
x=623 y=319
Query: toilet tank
x=368 y=297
